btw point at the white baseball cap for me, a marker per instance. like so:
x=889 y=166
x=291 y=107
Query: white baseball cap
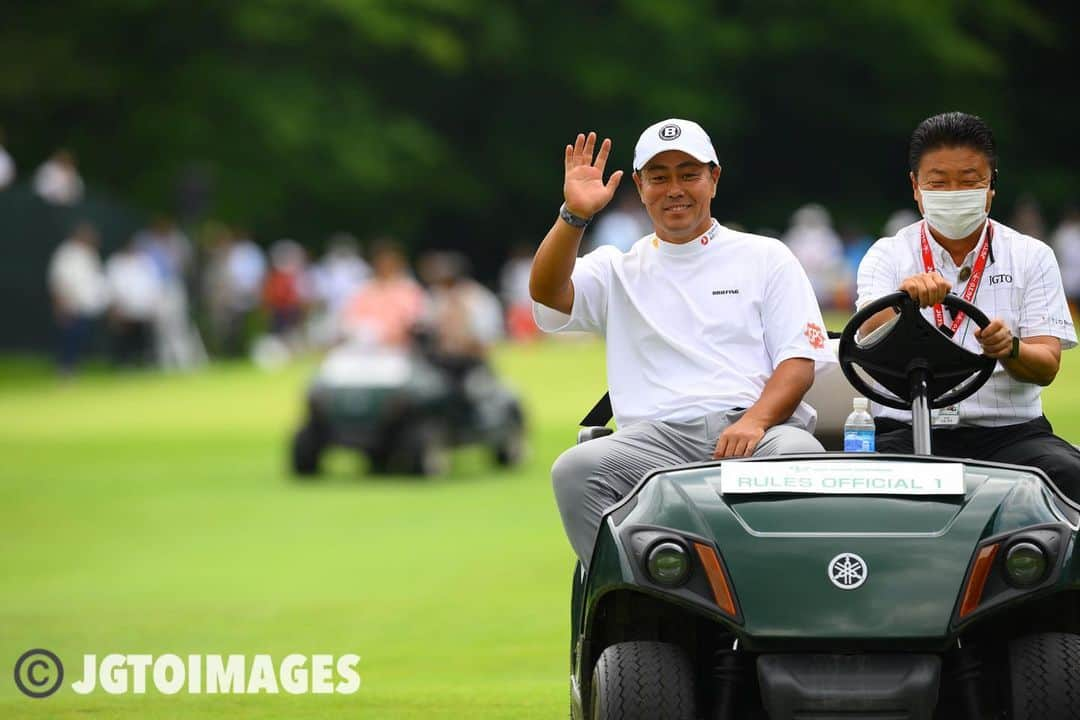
x=674 y=134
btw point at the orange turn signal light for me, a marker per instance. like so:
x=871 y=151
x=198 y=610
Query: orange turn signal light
x=977 y=581
x=717 y=580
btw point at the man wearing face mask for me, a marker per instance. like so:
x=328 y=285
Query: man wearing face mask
x=1013 y=278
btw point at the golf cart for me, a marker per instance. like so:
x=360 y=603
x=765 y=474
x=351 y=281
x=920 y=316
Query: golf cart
x=404 y=412
x=838 y=585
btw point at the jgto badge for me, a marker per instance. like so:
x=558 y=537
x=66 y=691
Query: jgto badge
x=670 y=132
x=848 y=571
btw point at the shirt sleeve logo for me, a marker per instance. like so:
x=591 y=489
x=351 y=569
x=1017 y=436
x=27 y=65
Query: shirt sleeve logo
x=815 y=335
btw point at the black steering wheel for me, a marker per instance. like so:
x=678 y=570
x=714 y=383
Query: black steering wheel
x=913 y=343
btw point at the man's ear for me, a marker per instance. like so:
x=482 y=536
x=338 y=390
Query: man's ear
x=637 y=183
x=915 y=189
x=715 y=172
x=993 y=189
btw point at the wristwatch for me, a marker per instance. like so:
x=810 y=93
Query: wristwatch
x=572 y=219
x=1015 y=352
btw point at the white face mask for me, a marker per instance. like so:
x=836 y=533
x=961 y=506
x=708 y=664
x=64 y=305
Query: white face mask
x=955 y=213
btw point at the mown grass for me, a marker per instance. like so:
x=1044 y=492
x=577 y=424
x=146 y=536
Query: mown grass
x=154 y=514
x=146 y=513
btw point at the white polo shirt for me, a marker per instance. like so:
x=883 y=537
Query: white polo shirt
x=1021 y=285
x=694 y=328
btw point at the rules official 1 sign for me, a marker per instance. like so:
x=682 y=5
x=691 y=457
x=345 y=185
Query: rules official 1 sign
x=842 y=477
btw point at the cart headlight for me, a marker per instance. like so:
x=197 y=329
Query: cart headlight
x=668 y=564
x=1025 y=564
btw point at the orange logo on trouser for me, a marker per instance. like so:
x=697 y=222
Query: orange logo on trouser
x=815 y=335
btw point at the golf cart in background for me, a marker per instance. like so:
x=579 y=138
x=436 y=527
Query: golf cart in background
x=404 y=413
x=838 y=585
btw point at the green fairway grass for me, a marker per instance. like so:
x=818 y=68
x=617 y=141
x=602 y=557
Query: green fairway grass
x=147 y=513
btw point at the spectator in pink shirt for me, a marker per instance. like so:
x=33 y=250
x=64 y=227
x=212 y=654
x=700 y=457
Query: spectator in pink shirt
x=384 y=311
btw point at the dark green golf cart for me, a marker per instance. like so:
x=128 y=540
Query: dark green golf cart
x=837 y=585
x=404 y=413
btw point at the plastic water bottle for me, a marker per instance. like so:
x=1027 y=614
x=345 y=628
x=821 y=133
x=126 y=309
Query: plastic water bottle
x=859 y=428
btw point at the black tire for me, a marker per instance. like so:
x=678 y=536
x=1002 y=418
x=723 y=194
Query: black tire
x=643 y=681
x=510 y=451
x=422 y=450
x=378 y=462
x=307 y=447
x=1045 y=677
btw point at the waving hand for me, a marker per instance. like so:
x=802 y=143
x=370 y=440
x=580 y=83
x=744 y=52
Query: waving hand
x=584 y=188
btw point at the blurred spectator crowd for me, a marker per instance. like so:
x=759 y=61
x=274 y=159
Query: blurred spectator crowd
x=164 y=301
x=271 y=305
x=140 y=291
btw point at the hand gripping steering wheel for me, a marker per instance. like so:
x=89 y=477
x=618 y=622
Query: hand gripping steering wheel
x=912 y=348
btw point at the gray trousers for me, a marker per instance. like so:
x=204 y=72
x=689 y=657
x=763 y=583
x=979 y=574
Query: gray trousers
x=590 y=477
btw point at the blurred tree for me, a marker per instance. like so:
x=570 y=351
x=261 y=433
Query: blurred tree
x=443 y=120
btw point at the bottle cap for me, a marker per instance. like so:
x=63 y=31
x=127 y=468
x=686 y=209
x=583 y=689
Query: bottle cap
x=860 y=403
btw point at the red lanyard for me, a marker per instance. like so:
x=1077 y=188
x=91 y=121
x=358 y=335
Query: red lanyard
x=973 y=281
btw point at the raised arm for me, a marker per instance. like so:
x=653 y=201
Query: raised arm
x=586 y=194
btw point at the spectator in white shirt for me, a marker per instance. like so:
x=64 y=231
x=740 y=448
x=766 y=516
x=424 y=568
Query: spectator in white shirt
x=135 y=291
x=466 y=316
x=7 y=165
x=622 y=225
x=340 y=273
x=1066 y=244
x=178 y=343
x=57 y=181
x=245 y=269
x=819 y=250
x=79 y=292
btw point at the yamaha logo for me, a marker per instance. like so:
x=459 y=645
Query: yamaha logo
x=670 y=132
x=848 y=571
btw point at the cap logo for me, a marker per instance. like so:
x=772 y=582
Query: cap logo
x=670 y=132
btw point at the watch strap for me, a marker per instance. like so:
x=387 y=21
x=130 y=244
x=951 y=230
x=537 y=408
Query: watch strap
x=572 y=219
x=1015 y=352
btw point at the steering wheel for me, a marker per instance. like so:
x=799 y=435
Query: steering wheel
x=913 y=343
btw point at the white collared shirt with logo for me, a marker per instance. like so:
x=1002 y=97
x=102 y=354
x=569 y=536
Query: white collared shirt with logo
x=1021 y=285
x=694 y=328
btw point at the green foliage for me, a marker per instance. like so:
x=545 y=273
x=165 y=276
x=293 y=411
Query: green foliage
x=443 y=120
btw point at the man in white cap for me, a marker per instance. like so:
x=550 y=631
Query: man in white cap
x=712 y=335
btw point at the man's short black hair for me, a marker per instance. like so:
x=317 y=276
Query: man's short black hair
x=952 y=129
